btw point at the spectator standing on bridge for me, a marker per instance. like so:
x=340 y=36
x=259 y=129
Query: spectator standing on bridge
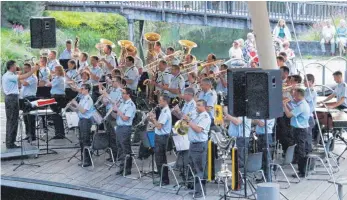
x=281 y=31
x=341 y=39
x=328 y=34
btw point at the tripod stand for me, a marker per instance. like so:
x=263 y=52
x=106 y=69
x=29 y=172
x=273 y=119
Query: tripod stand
x=20 y=121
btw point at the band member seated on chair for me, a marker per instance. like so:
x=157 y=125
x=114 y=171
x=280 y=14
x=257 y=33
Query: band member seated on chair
x=124 y=114
x=163 y=78
x=10 y=81
x=260 y=131
x=199 y=126
x=209 y=96
x=71 y=77
x=53 y=61
x=29 y=89
x=340 y=93
x=116 y=96
x=95 y=75
x=299 y=116
x=236 y=130
x=131 y=75
x=84 y=109
x=109 y=60
x=58 y=93
x=162 y=130
x=311 y=98
x=43 y=73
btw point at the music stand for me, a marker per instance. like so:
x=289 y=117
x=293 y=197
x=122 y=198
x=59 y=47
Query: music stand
x=149 y=142
x=21 y=145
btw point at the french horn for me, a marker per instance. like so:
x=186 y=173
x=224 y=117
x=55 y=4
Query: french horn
x=181 y=126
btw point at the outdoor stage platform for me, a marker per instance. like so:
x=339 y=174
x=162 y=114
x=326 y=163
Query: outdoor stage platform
x=57 y=175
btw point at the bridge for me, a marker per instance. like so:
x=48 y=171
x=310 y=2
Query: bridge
x=226 y=14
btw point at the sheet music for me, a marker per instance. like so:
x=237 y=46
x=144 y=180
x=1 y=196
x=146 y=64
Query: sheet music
x=181 y=142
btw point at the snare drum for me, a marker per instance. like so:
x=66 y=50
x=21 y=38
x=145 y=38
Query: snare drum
x=72 y=119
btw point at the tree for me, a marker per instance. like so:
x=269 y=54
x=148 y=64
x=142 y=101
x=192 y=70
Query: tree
x=20 y=12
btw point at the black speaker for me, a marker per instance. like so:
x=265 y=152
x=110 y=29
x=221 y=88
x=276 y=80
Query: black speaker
x=264 y=94
x=42 y=32
x=237 y=90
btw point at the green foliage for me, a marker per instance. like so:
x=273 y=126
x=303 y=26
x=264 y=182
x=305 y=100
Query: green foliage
x=19 y=11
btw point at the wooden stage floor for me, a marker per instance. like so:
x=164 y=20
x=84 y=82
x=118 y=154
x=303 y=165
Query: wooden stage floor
x=57 y=174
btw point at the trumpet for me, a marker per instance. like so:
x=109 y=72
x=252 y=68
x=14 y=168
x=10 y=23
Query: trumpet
x=208 y=64
x=151 y=66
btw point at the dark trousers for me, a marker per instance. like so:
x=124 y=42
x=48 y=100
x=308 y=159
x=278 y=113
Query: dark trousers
x=110 y=124
x=262 y=147
x=85 y=126
x=12 y=114
x=240 y=143
x=300 y=137
x=160 y=155
x=123 y=134
x=308 y=144
x=197 y=160
x=29 y=120
x=283 y=133
x=57 y=118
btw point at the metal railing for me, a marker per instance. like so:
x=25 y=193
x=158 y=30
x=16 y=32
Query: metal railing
x=305 y=12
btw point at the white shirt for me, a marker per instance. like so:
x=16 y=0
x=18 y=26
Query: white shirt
x=52 y=64
x=65 y=54
x=235 y=53
x=83 y=65
x=133 y=74
x=138 y=62
x=328 y=33
x=31 y=88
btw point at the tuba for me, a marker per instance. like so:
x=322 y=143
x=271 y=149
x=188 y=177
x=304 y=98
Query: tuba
x=181 y=127
x=124 y=45
x=44 y=52
x=187 y=46
x=151 y=39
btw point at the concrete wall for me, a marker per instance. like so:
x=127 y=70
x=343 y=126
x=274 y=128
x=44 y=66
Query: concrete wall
x=308 y=48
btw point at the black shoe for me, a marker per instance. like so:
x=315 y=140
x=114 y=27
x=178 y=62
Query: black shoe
x=127 y=173
x=109 y=160
x=57 y=137
x=12 y=146
x=26 y=138
x=119 y=173
x=163 y=183
x=198 y=195
x=299 y=174
x=86 y=164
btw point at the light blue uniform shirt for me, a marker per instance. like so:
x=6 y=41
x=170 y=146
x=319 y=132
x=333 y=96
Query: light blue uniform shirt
x=132 y=73
x=58 y=85
x=52 y=64
x=79 y=85
x=311 y=99
x=202 y=120
x=31 y=89
x=87 y=103
x=166 y=120
x=65 y=54
x=269 y=126
x=341 y=91
x=301 y=114
x=220 y=87
x=163 y=78
x=115 y=95
x=83 y=65
x=177 y=82
x=211 y=99
x=190 y=108
x=10 y=83
x=97 y=72
x=44 y=74
x=73 y=75
x=128 y=108
x=237 y=130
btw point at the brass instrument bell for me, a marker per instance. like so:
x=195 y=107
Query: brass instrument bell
x=187 y=46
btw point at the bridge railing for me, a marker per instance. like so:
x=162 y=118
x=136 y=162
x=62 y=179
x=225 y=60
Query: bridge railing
x=300 y=11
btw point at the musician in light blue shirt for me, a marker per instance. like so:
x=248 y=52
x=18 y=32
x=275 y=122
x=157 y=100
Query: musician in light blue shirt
x=236 y=130
x=66 y=54
x=164 y=77
x=58 y=85
x=29 y=85
x=189 y=107
x=95 y=71
x=85 y=110
x=209 y=96
x=311 y=99
x=162 y=130
x=299 y=117
x=340 y=93
x=53 y=62
x=43 y=73
x=131 y=74
x=222 y=84
x=177 y=83
x=125 y=114
x=72 y=74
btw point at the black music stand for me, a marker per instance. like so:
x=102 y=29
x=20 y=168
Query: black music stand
x=22 y=163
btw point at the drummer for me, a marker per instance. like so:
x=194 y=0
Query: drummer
x=340 y=93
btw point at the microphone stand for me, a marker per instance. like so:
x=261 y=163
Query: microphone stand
x=22 y=163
